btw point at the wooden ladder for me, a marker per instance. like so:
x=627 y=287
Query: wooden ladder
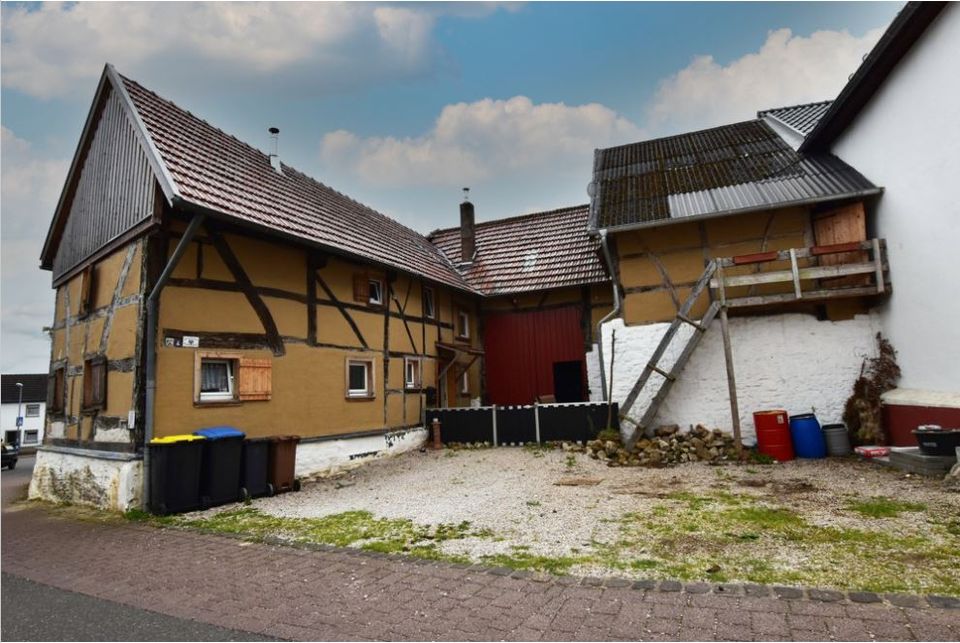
x=669 y=377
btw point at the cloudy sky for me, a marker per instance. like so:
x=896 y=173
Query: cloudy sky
x=400 y=105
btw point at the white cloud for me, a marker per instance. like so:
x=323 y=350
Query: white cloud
x=59 y=49
x=788 y=69
x=482 y=140
x=29 y=188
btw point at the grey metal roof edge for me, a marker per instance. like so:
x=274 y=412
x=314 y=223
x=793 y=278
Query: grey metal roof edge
x=725 y=213
x=783 y=123
x=906 y=28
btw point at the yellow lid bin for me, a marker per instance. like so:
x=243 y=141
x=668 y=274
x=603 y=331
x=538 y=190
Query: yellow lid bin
x=171 y=439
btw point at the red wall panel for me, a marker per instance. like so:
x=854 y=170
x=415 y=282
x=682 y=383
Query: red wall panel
x=521 y=348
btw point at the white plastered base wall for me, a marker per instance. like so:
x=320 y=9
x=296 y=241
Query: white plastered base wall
x=327 y=457
x=108 y=481
x=790 y=361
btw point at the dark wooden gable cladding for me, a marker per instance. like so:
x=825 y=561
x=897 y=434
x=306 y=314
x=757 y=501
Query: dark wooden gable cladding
x=113 y=194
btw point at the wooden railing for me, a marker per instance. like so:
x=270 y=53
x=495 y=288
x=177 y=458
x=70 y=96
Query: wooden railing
x=870 y=260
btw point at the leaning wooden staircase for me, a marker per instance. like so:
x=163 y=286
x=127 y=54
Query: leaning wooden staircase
x=653 y=366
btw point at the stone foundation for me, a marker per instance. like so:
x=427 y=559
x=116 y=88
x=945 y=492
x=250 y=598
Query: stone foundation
x=99 y=479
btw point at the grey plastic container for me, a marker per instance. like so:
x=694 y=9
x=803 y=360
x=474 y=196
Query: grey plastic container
x=838 y=440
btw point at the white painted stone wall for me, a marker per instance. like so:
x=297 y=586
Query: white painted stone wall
x=319 y=459
x=906 y=140
x=60 y=476
x=794 y=362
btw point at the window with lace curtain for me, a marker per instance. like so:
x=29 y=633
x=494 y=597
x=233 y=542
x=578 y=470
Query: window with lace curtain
x=216 y=379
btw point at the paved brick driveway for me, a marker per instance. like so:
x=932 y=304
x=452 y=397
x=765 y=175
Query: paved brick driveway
x=336 y=594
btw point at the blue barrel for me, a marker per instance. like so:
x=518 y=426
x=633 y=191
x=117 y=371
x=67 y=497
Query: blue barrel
x=808 y=440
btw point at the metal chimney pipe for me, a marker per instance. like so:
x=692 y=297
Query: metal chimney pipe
x=275 y=149
x=467 y=229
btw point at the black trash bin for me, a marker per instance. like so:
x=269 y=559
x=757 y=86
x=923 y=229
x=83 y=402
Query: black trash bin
x=253 y=472
x=175 y=473
x=220 y=467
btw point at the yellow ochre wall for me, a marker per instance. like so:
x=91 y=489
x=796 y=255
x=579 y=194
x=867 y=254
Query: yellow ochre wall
x=110 y=329
x=308 y=382
x=682 y=250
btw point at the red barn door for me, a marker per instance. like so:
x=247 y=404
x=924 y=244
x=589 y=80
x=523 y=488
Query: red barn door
x=524 y=350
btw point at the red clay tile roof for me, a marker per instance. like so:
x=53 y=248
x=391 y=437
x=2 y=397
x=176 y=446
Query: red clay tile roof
x=530 y=252
x=214 y=170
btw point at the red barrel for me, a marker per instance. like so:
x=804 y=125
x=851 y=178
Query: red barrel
x=773 y=434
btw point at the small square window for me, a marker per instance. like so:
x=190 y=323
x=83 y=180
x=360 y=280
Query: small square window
x=94 y=384
x=463 y=324
x=412 y=373
x=376 y=292
x=31 y=437
x=216 y=380
x=32 y=410
x=359 y=378
x=429 y=311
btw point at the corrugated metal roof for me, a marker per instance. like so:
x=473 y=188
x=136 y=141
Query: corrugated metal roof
x=529 y=252
x=721 y=170
x=802 y=118
x=214 y=170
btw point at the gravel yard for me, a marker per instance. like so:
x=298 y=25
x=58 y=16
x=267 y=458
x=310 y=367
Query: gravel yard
x=843 y=524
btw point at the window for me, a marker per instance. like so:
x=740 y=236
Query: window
x=465 y=383
x=428 y=309
x=216 y=379
x=360 y=378
x=376 y=292
x=94 y=384
x=88 y=290
x=463 y=324
x=224 y=377
x=412 y=373
x=31 y=437
x=32 y=410
x=56 y=388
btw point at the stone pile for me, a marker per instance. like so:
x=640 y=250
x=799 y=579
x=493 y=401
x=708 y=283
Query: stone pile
x=667 y=446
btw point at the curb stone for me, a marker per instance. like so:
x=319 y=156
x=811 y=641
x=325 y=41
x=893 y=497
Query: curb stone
x=668 y=586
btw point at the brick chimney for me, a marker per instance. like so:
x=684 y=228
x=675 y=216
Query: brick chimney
x=468 y=246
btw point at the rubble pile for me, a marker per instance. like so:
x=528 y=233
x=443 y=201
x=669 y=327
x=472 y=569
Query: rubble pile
x=667 y=446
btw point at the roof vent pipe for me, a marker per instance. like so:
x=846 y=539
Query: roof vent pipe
x=275 y=149
x=468 y=246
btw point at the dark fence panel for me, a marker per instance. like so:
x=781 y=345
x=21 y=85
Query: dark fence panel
x=574 y=422
x=516 y=424
x=463 y=424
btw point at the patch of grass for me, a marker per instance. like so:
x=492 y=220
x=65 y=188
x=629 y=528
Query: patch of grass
x=571 y=461
x=612 y=435
x=952 y=527
x=764 y=517
x=883 y=507
x=523 y=560
x=755 y=457
x=533 y=503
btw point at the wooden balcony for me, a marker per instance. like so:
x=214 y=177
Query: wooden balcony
x=845 y=270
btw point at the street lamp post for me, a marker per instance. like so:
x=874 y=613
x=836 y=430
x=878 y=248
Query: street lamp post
x=19 y=414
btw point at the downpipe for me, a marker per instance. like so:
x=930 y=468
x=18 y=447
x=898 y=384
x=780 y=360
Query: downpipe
x=613 y=313
x=153 y=309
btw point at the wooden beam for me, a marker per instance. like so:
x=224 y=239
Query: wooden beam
x=808 y=296
x=813 y=272
x=246 y=287
x=342 y=309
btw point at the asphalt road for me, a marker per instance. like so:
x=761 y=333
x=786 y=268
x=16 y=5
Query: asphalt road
x=35 y=612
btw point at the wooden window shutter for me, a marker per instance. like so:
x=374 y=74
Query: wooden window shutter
x=95 y=384
x=86 y=291
x=256 y=379
x=361 y=287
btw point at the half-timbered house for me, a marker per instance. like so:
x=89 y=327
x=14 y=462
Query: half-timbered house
x=200 y=282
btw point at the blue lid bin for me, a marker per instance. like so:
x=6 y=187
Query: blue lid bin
x=220 y=465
